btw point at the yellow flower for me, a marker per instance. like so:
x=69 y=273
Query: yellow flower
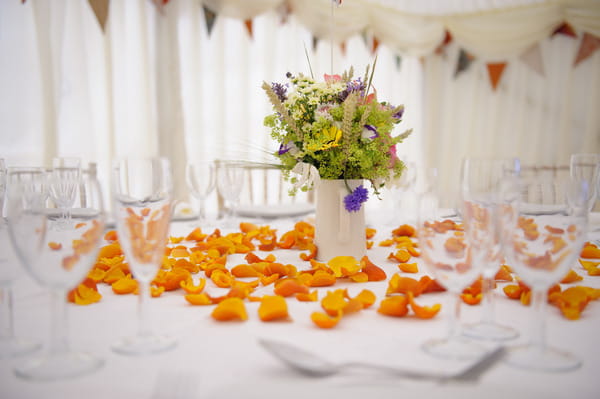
x=330 y=137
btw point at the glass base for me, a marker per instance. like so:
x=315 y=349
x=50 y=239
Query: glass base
x=144 y=345
x=59 y=366
x=489 y=331
x=550 y=359
x=14 y=346
x=454 y=348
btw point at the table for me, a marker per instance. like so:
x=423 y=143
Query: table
x=223 y=359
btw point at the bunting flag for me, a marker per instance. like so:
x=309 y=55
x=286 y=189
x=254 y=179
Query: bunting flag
x=589 y=45
x=464 y=62
x=284 y=10
x=315 y=43
x=495 y=71
x=374 y=45
x=441 y=49
x=100 y=8
x=343 y=48
x=248 y=24
x=532 y=57
x=209 y=18
x=565 y=29
x=398 y=59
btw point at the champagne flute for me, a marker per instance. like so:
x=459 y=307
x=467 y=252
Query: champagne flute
x=64 y=180
x=200 y=178
x=230 y=181
x=586 y=167
x=142 y=206
x=449 y=258
x=544 y=224
x=10 y=345
x=480 y=188
x=58 y=257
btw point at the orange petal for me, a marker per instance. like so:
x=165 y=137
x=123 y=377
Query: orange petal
x=423 y=312
x=408 y=267
x=272 y=308
x=396 y=306
x=125 y=285
x=230 y=309
x=322 y=320
x=343 y=266
x=289 y=287
x=374 y=272
x=311 y=297
x=198 y=299
x=366 y=297
x=571 y=277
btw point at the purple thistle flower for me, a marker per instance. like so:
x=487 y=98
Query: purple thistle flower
x=280 y=90
x=354 y=200
x=398 y=115
x=283 y=148
x=352 y=86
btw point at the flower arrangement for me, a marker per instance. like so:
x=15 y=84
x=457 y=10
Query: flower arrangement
x=335 y=129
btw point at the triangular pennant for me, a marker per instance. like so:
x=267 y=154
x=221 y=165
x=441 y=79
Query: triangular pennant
x=343 y=48
x=532 y=57
x=315 y=43
x=589 y=44
x=100 y=8
x=209 y=19
x=160 y=4
x=464 y=62
x=565 y=29
x=284 y=10
x=374 y=45
x=248 y=24
x=495 y=71
x=441 y=48
x=365 y=38
x=398 y=61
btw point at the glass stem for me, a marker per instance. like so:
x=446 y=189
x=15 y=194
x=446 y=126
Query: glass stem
x=488 y=309
x=58 y=324
x=454 y=329
x=6 y=314
x=143 y=296
x=202 y=211
x=538 y=320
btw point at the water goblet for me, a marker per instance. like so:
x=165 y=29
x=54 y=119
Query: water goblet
x=200 y=178
x=544 y=223
x=10 y=344
x=480 y=190
x=586 y=167
x=230 y=181
x=447 y=255
x=58 y=257
x=64 y=181
x=142 y=206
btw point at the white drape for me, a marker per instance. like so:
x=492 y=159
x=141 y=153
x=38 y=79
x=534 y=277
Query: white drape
x=157 y=83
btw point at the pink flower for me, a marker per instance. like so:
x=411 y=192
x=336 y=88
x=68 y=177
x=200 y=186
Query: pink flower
x=394 y=158
x=332 y=78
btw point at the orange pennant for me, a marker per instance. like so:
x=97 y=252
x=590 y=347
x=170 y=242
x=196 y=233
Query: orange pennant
x=100 y=8
x=495 y=71
x=589 y=44
x=565 y=29
x=444 y=43
x=375 y=45
x=343 y=48
x=248 y=24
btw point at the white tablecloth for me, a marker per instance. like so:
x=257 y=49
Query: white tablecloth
x=223 y=360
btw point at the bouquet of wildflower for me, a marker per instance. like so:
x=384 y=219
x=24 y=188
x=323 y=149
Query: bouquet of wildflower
x=335 y=129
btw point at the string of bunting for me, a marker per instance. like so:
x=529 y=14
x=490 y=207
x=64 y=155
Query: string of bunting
x=532 y=57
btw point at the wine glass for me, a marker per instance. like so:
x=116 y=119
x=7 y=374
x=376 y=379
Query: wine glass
x=447 y=255
x=10 y=345
x=142 y=206
x=200 y=178
x=58 y=257
x=586 y=167
x=64 y=178
x=230 y=181
x=480 y=190
x=544 y=224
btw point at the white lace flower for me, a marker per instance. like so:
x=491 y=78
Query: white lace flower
x=309 y=175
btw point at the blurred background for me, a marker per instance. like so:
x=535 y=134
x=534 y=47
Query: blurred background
x=102 y=79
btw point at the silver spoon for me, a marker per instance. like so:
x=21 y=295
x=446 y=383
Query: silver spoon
x=314 y=366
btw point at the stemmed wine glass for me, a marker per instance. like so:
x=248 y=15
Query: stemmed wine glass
x=586 y=167
x=58 y=257
x=449 y=258
x=200 y=178
x=480 y=190
x=230 y=181
x=64 y=178
x=544 y=223
x=10 y=345
x=142 y=206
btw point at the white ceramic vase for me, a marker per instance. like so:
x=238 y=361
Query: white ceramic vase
x=337 y=231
